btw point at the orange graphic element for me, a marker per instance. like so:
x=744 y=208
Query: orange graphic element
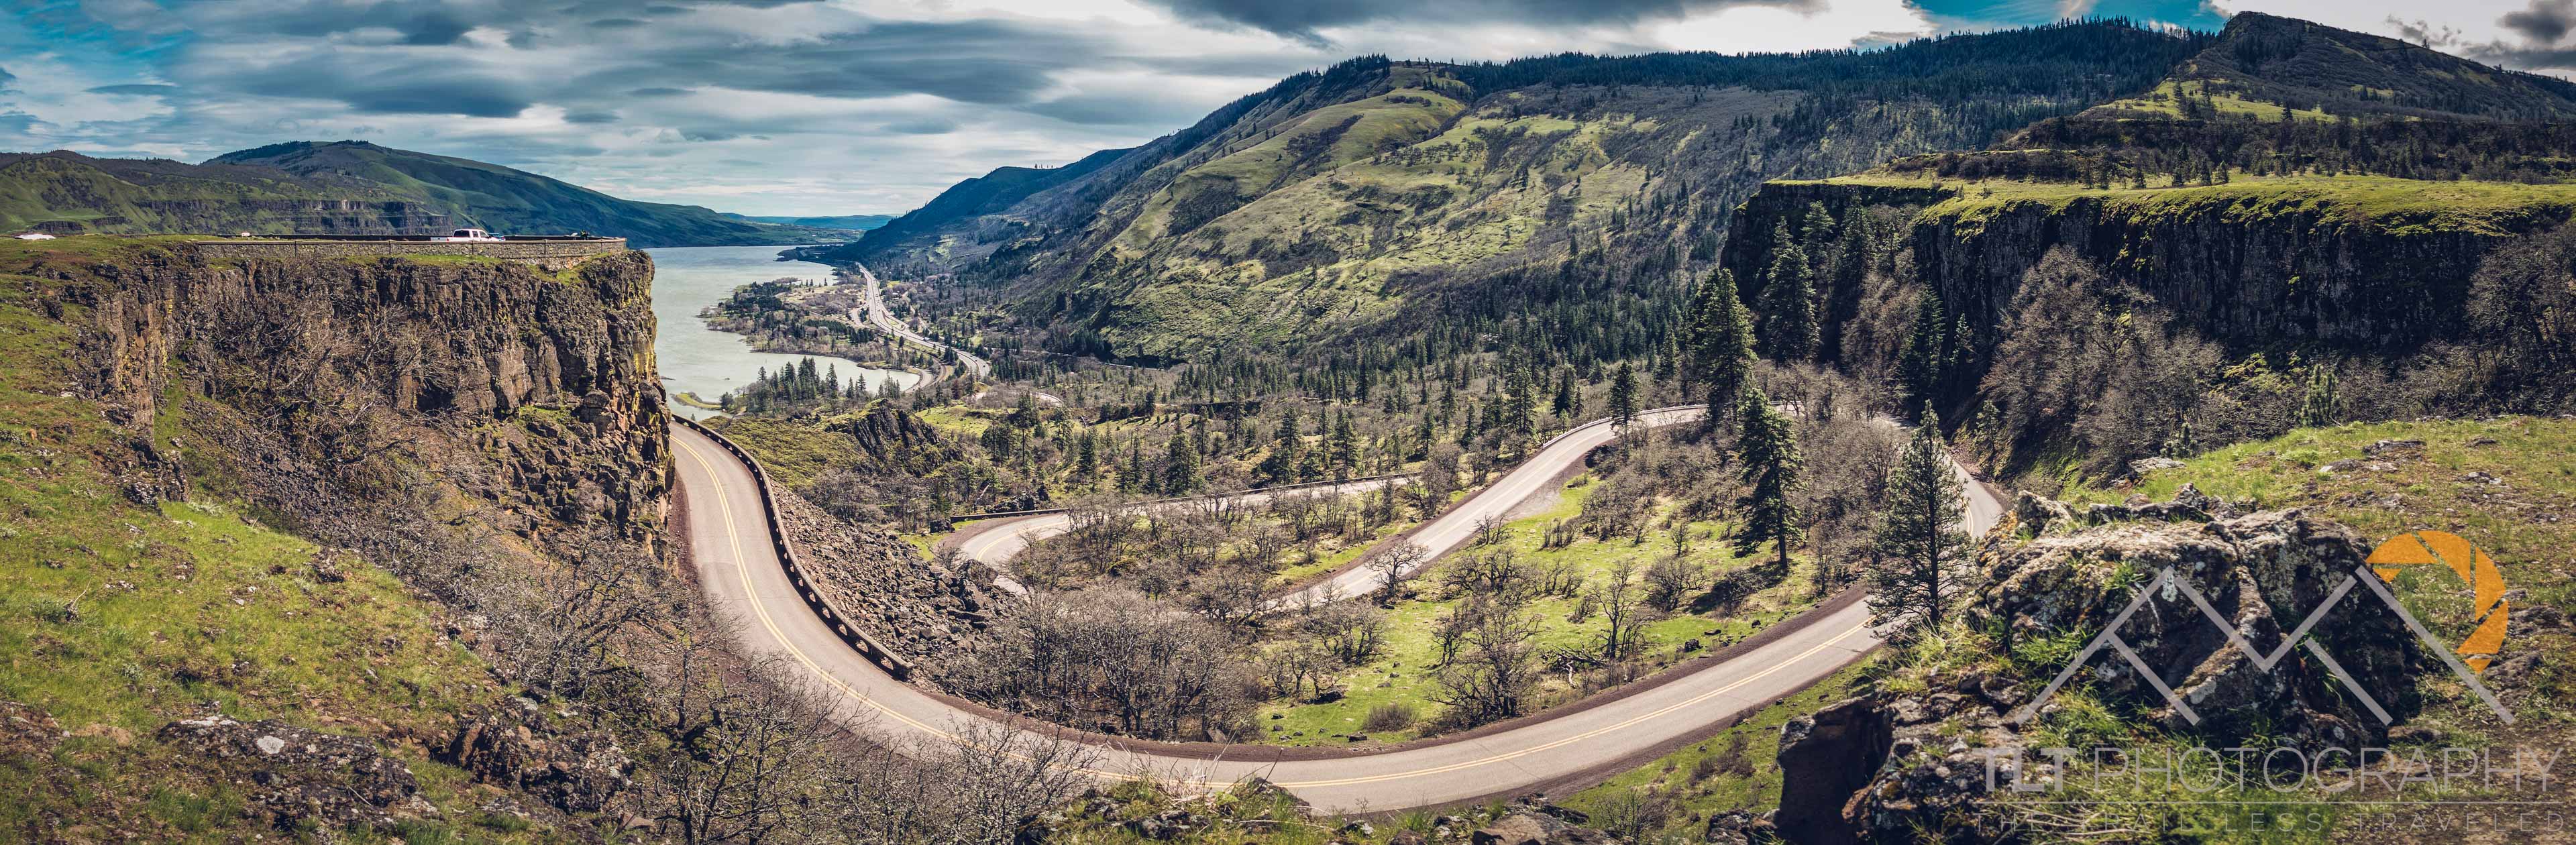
x=2474 y=568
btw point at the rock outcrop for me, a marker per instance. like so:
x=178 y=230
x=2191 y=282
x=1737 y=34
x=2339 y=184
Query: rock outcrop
x=294 y=776
x=1825 y=758
x=577 y=771
x=1879 y=767
x=534 y=391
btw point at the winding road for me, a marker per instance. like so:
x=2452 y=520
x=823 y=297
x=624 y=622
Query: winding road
x=743 y=579
x=874 y=312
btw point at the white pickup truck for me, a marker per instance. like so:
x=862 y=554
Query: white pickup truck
x=468 y=236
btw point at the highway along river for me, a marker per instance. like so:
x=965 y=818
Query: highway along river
x=695 y=359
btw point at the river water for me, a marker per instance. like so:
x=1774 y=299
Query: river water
x=696 y=359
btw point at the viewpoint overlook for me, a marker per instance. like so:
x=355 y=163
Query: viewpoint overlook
x=1170 y=421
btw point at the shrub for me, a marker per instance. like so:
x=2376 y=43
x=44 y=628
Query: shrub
x=1391 y=716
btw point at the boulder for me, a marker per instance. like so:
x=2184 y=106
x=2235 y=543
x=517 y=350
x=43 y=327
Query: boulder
x=1519 y=829
x=2264 y=573
x=577 y=772
x=1823 y=759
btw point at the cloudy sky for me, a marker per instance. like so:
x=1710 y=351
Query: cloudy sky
x=872 y=106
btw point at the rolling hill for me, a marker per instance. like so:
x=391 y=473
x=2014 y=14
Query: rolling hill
x=1339 y=201
x=852 y=222
x=508 y=200
x=346 y=187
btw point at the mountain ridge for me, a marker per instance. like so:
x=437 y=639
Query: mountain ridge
x=343 y=187
x=1336 y=201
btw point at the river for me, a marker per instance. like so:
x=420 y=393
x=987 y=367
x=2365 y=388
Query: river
x=696 y=359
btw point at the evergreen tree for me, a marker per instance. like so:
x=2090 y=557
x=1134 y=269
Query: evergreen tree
x=1086 y=454
x=1918 y=367
x=1133 y=480
x=1180 y=467
x=1919 y=542
x=1768 y=450
x=1567 y=401
x=1721 y=344
x=1343 y=445
x=1623 y=397
x=1790 y=332
x=1520 y=404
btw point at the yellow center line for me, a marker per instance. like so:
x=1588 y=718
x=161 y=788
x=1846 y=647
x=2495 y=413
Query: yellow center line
x=743 y=566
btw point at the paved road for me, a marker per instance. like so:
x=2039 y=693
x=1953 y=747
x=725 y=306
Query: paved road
x=875 y=312
x=996 y=542
x=743 y=580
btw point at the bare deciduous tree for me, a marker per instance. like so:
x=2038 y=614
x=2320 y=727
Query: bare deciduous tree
x=1393 y=564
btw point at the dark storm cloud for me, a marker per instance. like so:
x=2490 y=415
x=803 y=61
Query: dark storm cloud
x=422 y=88
x=1302 y=21
x=988 y=62
x=2544 y=23
x=979 y=61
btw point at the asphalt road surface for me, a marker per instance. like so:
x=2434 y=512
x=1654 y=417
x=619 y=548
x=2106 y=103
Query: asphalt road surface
x=875 y=313
x=743 y=581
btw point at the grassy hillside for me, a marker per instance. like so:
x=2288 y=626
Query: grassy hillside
x=513 y=201
x=67 y=193
x=2267 y=66
x=121 y=617
x=1381 y=192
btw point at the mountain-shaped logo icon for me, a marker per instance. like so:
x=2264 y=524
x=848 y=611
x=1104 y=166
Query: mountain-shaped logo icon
x=2381 y=569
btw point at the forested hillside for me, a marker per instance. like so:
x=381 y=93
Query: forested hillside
x=2221 y=259
x=1574 y=190
x=345 y=187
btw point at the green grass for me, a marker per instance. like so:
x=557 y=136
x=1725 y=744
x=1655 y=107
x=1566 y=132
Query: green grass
x=795 y=453
x=117 y=618
x=2163 y=103
x=1345 y=552
x=1403 y=673
x=2391 y=206
x=1732 y=770
x=2521 y=523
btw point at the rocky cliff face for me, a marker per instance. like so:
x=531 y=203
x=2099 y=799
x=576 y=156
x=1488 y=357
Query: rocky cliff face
x=531 y=391
x=2249 y=265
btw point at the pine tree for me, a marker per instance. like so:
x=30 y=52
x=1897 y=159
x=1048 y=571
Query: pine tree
x=1086 y=454
x=1520 y=404
x=1343 y=446
x=1919 y=542
x=1567 y=402
x=1918 y=367
x=1768 y=451
x=1789 y=302
x=1721 y=344
x=1623 y=397
x=1134 y=480
x=1180 y=467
